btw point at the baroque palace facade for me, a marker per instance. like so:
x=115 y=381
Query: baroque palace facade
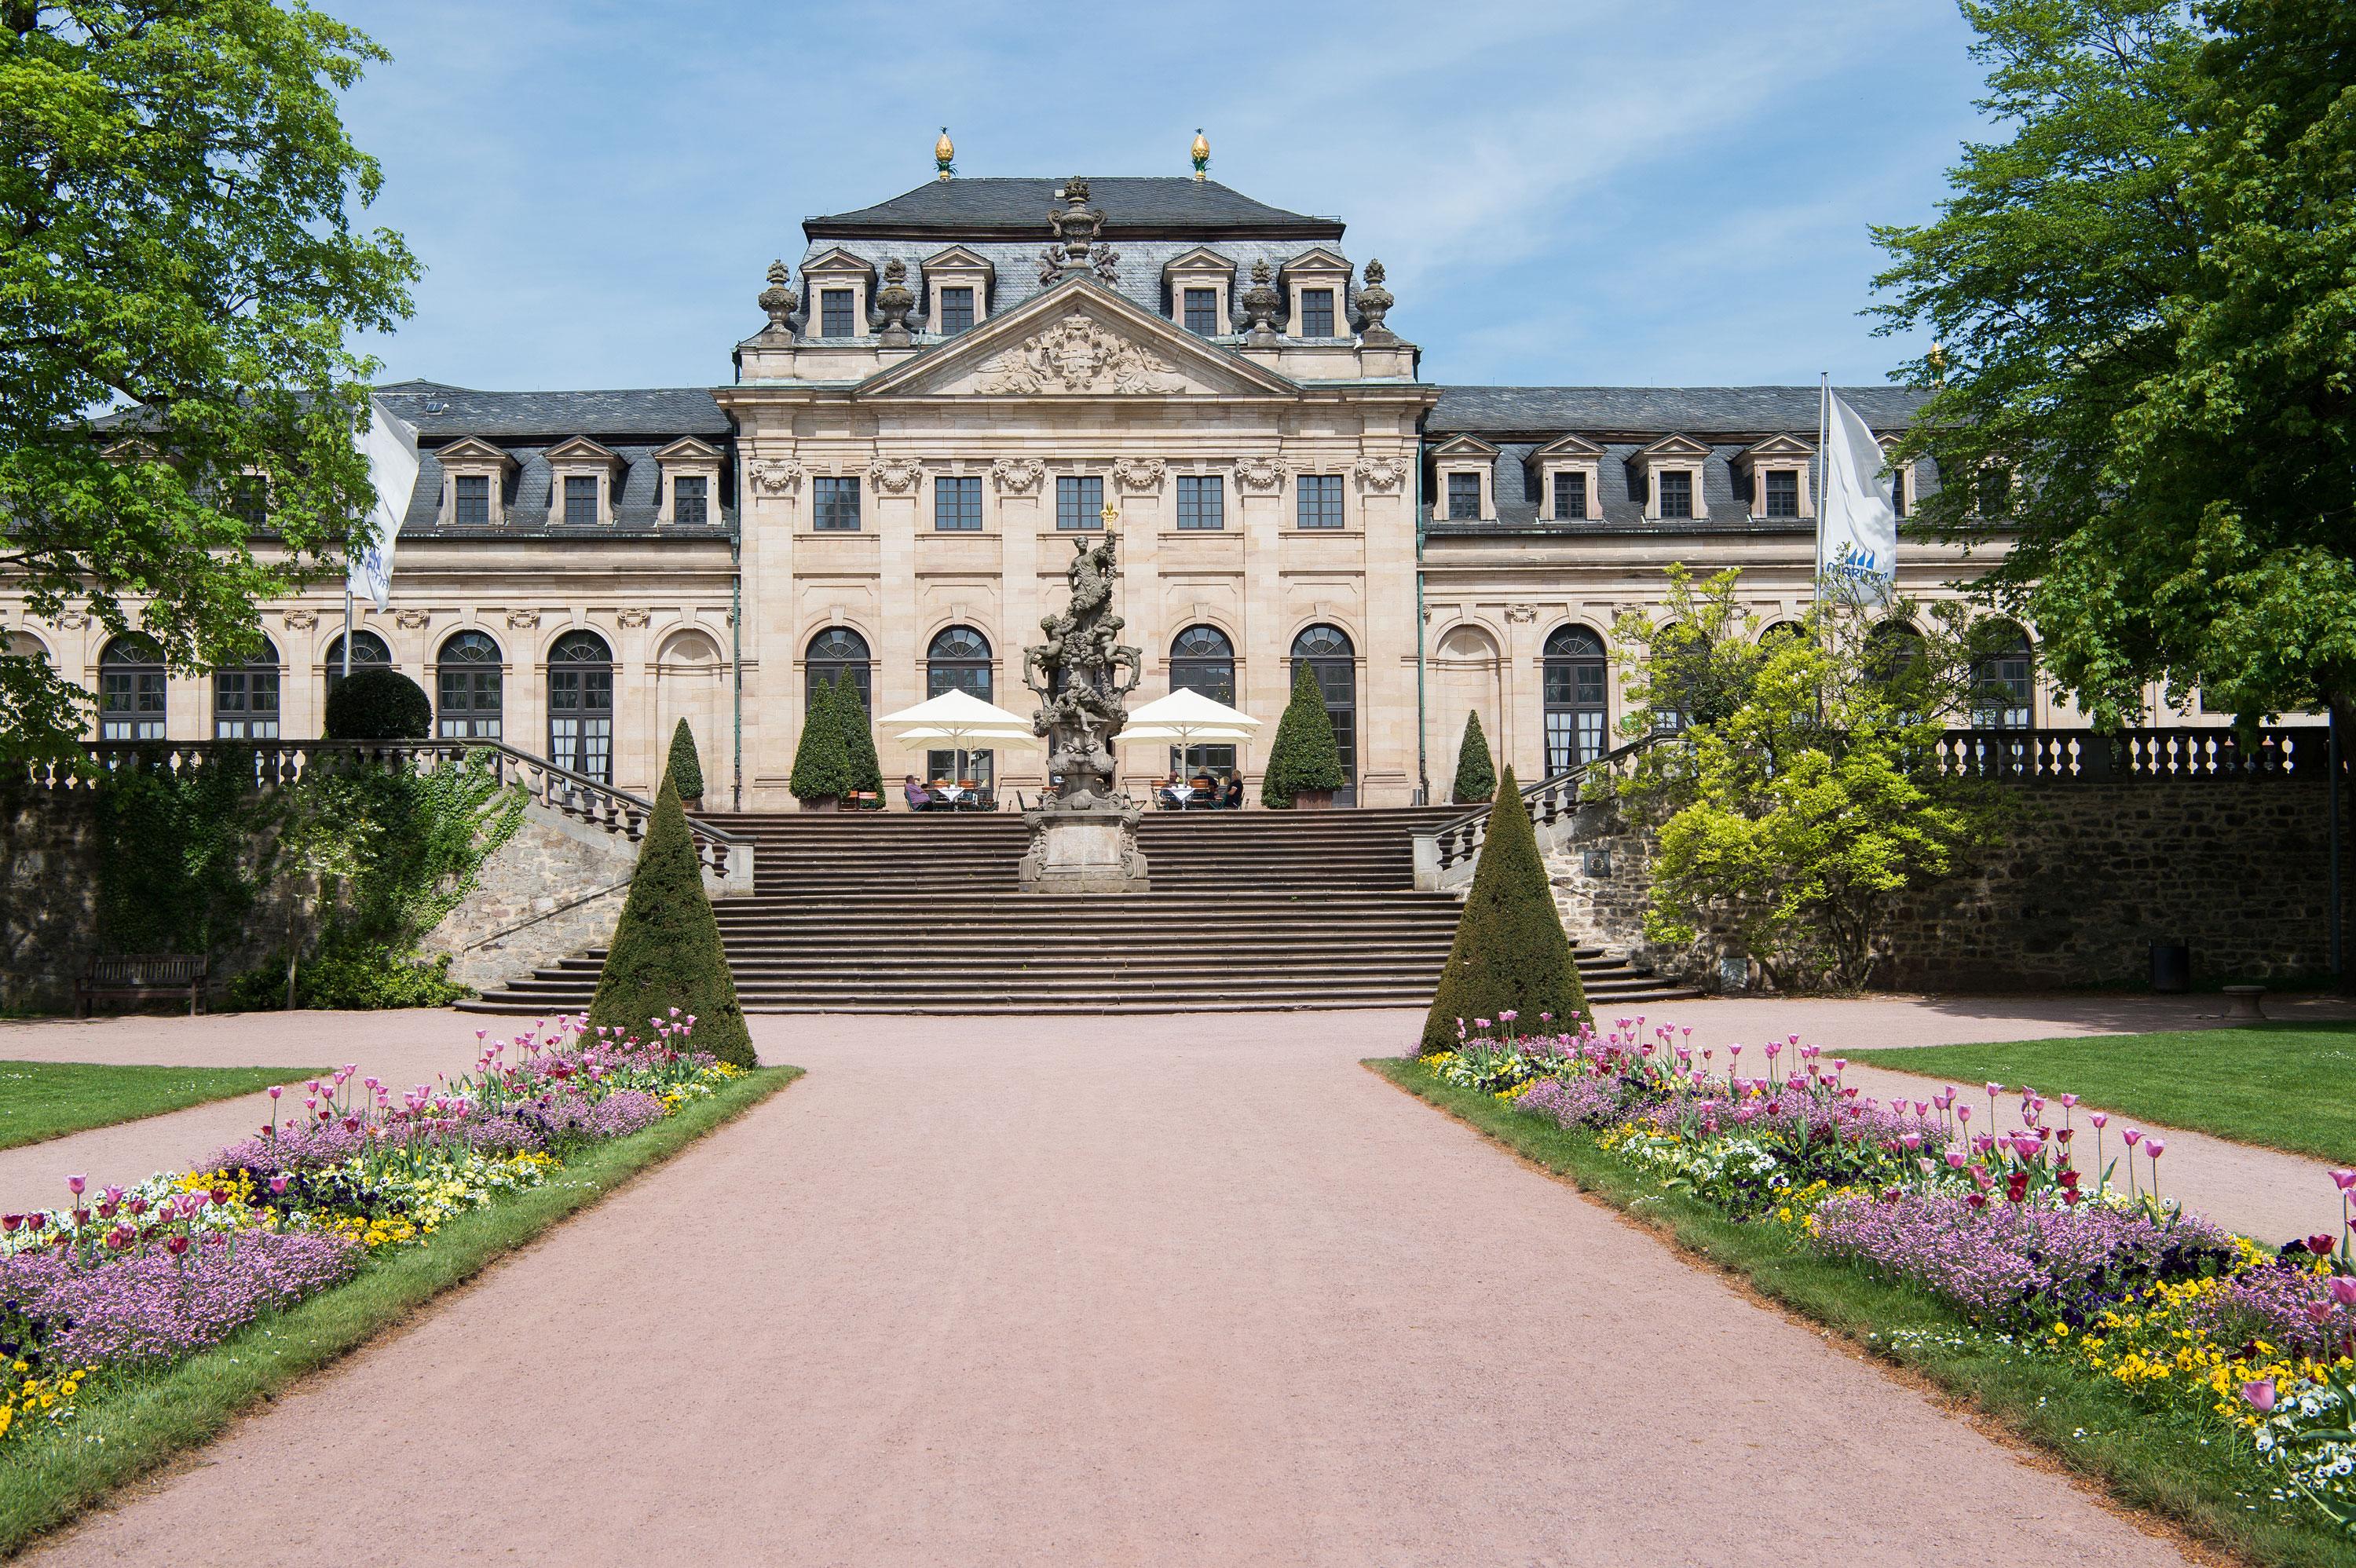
x=961 y=384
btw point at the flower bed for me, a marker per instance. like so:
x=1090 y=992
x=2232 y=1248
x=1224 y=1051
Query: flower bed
x=123 y=1279
x=1994 y=1206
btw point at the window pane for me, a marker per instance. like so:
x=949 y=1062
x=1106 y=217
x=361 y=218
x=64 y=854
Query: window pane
x=1676 y=494
x=956 y=310
x=1203 y=311
x=1317 y=313
x=1079 y=501
x=1202 y=501
x=579 y=499
x=471 y=499
x=1569 y=496
x=1320 y=503
x=957 y=503
x=834 y=314
x=1898 y=491
x=1463 y=496
x=688 y=498
x=835 y=503
x=1782 y=493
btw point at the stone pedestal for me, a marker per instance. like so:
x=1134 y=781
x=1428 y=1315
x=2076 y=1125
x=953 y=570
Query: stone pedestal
x=1091 y=851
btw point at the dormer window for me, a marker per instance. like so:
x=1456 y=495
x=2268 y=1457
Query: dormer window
x=1782 y=492
x=1571 y=477
x=690 y=482
x=1675 y=489
x=475 y=495
x=1569 y=496
x=579 y=501
x=956 y=290
x=1317 y=313
x=582 y=474
x=1672 y=470
x=1900 y=492
x=1200 y=283
x=472 y=500
x=690 y=499
x=834 y=306
x=1464 y=470
x=956 y=310
x=1465 y=497
x=1314 y=285
x=248 y=501
x=1203 y=312
x=1776 y=470
x=840 y=285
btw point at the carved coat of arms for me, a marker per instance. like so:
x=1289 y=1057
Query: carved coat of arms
x=1077 y=355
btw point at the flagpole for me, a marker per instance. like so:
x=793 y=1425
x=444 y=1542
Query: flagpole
x=1823 y=472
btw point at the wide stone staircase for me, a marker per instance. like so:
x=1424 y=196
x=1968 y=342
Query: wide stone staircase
x=922 y=914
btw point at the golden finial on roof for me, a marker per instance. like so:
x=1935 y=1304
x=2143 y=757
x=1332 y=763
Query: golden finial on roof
x=1201 y=153
x=943 y=155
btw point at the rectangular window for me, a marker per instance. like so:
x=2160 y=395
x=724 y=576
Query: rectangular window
x=834 y=504
x=249 y=502
x=1782 y=492
x=1570 y=496
x=1897 y=490
x=580 y=500
x=1203 y=312
x=245 y=705
x=1676 y=492
x=1202 y=501
x=834 y=313
x=1317 y=313
x=1320 y=500
x=690 y=498
x=130 y=705
x=1464 y=498
x=1079 y=498
x=471 y=500
x=956 y=310
x=957 y=505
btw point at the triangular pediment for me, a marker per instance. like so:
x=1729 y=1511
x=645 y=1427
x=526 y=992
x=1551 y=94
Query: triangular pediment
x=688 y=449
x=1201 y=259
x=1464 y=446
x=1573 y=445
x=1785 y=446
x=834 y=258
x=1675 y=446
x=471 y=449
x=1317 y=259
x=1075 y=340
x=955 y=259
x=580 y=449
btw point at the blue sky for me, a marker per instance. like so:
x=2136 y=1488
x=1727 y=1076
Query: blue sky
x=1593 y=191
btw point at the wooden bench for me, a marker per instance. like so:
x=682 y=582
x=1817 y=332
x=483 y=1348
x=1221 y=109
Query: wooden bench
x=141 y=977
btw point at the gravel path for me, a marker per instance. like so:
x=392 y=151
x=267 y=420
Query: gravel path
x=1184 y=1290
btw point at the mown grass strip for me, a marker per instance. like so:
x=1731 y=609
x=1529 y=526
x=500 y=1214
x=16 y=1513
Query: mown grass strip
x=44 y=1099
x=2291 y=1086
x=2171 y=1466
x=139 y=1424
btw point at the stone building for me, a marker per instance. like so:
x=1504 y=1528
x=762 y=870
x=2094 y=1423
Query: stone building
x=957 y=386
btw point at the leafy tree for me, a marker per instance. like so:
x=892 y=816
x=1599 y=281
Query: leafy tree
x=666 y=951
x=2147 y=323
x=379 y=704
x=1304 y=755
x=858 y=735
x=176 y=240
x=686 y=767
x=1804 y=797
x=1510 y=953
x=1476 y=775
x=822 y=757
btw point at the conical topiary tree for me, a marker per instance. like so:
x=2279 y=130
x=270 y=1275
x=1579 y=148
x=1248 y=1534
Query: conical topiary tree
x=686 y=767
x=858 y=735
x=1476 y=775
x=822 y=757
x=1304 y=755
x=1510 y=953
x=665 y=950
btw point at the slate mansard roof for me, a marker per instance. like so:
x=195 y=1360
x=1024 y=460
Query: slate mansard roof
x=634 y=425
x=1134 y=207
x=1624 y=421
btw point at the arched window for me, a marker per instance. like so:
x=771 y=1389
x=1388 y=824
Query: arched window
x=1782 y=629
x=580 y=704
x=836 y=652
x=1894 y=651
x=1578 y=705
x=245 y=700
x=367 y=648
x=1331 y=659
x=469 y=691
x=958 y=660
x=1203 y=659
x=24 y=646
x=130 y=689
x=2004 y=677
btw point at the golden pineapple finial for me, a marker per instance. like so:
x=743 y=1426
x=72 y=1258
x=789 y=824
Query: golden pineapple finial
x=944 y=155
x=1201 y=153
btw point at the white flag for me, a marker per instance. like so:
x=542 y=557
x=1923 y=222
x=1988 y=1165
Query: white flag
x=390 y=448
x=1856 y=531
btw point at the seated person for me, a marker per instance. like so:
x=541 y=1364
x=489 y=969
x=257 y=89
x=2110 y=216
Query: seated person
x=1231 y=793
x=919 y=797
x=1174 y=793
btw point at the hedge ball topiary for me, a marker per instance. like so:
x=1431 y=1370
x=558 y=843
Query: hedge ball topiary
x=379 y=704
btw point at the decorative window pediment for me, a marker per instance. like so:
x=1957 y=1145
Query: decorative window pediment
x=1465 y=474
x=1777 y=469
x=1570 y=479
x=850 y=280
x=1672 y=471
x=1317 y=294
x=582 y=477
x=474 y=482
x=691 y=483
x=1207 y=273
x=1464 y=446
x=957 y=268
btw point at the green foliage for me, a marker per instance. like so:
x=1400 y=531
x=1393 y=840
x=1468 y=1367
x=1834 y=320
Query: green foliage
x=1804 y=798
x=1303 y=756
x=176 y=199
x=1510 y=953
x=822 y=765
x=858 y=735
x=379 y=704
x=666 y=951
x=2147 y=301
x=349 y=975
x=181 y=857
x=1476 y=775
x=686 y=767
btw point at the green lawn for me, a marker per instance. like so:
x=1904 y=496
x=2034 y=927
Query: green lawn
x=149 y=1416
x=2285 y=1085
x=49 y=1099
x=2164 y=1465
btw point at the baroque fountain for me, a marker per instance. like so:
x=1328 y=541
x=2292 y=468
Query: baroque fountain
x=1084 y=836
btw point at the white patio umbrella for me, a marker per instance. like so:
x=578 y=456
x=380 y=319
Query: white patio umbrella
x=1190 y=719
x=960 y=719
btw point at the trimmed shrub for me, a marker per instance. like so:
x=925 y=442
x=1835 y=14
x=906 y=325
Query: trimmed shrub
x=1304 y=755
x=665 y=950
x=686 y=767
x=1510 y=952
x=379 y=704
x=822 y=757
x=1476 y=775
x=858 y=735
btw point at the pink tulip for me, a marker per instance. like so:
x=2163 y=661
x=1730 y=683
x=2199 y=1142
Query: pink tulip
x=2260 y=1392
x=74 y=1184
x=2069 y=1102
x=1955 y=1159
x=2101 y=1119
x=2133 y=1136
x=2343 y=1290
x=2344 y=1178
x=2154 y=1147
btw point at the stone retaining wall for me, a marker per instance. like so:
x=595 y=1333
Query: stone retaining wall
x=554 y=888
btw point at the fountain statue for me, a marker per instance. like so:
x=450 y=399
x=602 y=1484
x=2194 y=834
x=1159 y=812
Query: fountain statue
x=1084 y=836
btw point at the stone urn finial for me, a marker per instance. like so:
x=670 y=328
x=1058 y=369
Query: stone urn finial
x=1373 y=304
x=1261 y=301
x=1076 y=226
x=895 y=301
x=778 y=299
